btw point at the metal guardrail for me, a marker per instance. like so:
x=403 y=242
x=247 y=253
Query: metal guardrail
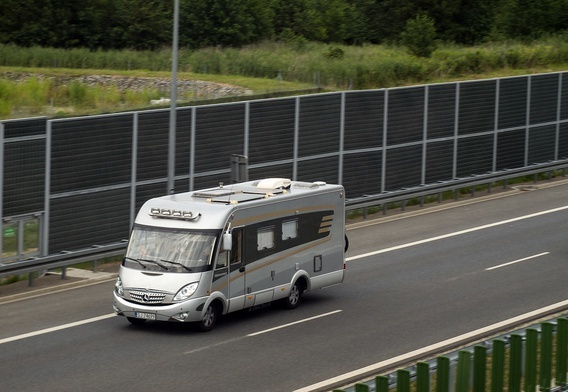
x=98 y=252
x=61 y=260
x=402 y=195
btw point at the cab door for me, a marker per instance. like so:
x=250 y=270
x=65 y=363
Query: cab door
x=237 y=272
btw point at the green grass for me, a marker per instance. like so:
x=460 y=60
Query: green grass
x=40 y=95
x=263 y=68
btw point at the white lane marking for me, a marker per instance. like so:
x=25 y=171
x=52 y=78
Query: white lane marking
x=58 y=328
x=213 y=345
x=294 y=323
x=517 y=261
x=364 y=372
x=441 y=237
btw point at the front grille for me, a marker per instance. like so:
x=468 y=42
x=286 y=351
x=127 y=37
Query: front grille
x=147 y=297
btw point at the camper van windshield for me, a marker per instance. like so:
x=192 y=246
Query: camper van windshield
x=157 y=249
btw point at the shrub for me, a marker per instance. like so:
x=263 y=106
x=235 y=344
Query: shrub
x=420 y=36
x=5 y=108
x=334 y=52
x=77 y=94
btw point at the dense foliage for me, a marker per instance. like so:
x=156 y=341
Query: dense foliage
x=147 y=24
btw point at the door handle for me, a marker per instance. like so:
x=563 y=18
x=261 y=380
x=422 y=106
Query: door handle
x=242 y=269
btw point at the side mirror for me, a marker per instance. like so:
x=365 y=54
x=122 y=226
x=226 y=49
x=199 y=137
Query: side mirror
x=227 y=241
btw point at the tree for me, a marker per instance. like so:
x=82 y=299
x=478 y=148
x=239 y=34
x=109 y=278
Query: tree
x=526 y=19
x=223 y=22
x=420 y=36
x=143 y=24
x=25 y=23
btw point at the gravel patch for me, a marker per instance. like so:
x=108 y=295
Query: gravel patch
x=137 y=84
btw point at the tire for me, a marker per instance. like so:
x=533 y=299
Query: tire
x=135 y=321
x=209 y=319
x=293 y=299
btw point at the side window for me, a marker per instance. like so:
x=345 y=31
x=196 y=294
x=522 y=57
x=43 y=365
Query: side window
x=265 y=238
x=221 y=259
x=237 y=246
x=289 y=229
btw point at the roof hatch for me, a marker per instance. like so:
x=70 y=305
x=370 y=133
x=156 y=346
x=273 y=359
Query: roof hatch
x=238 y=193
x=274 y=183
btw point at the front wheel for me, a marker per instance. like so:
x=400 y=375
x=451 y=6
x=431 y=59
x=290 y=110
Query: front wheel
x=209 y=319
x=293 y=299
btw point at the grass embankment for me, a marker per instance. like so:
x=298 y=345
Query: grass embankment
x=263 y=68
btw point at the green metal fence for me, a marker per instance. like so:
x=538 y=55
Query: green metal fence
x=537 y=360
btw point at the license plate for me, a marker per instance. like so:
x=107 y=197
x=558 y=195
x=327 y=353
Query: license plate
x=147 y=316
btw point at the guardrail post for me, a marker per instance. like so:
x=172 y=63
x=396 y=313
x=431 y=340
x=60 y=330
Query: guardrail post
x=402 y=380
x=561 y=351
x=479 y=368
x=515 y=363
x=462 y=376
x=546 y=356
x=422 y=377
x=360 y=387
x=498 y=366
x=531 y=360
x=382 y=384
x=442 y=374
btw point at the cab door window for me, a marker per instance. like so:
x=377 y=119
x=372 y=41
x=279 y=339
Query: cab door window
x=237 y=247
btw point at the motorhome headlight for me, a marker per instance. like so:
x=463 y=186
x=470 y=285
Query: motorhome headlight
x=118 y=287
x=186 y=292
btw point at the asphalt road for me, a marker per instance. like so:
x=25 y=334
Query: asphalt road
x=412 y=280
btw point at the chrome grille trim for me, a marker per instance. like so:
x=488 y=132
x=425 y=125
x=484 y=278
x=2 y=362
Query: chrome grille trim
x=147 y=297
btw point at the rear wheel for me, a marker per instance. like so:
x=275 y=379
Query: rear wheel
x=136 y=321
x=293 y=299
x=209 y=318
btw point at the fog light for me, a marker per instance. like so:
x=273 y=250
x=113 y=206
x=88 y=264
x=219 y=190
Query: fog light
x=180 y=316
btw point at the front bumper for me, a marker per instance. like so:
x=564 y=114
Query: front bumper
x=192 y=307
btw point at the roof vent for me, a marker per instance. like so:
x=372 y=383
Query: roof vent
x=274 y=183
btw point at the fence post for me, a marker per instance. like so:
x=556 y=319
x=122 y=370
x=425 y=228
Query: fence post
x=546 y=356
x=498 y=366
x=422 y=377
x=479 y=368
x=382 y=384
x=442 y=374
x=531 y=360
x=462 y=377
x=360 y=387
x=515 y=363
x=561 y=351
x=402 y=380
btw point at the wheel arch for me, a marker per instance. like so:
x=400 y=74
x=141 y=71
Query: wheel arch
x=303 y=280
x=218 y=300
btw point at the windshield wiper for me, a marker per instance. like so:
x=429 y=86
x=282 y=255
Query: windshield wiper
x=136 y=260
x=176 y=263
x=155 y=262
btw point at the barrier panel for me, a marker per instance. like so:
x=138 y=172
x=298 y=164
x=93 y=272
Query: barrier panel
x=87 y=177
x=529 y=360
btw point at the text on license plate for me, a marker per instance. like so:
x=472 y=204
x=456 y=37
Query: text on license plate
x=147 y=316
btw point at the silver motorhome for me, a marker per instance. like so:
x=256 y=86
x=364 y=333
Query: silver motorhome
x=194 y=256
